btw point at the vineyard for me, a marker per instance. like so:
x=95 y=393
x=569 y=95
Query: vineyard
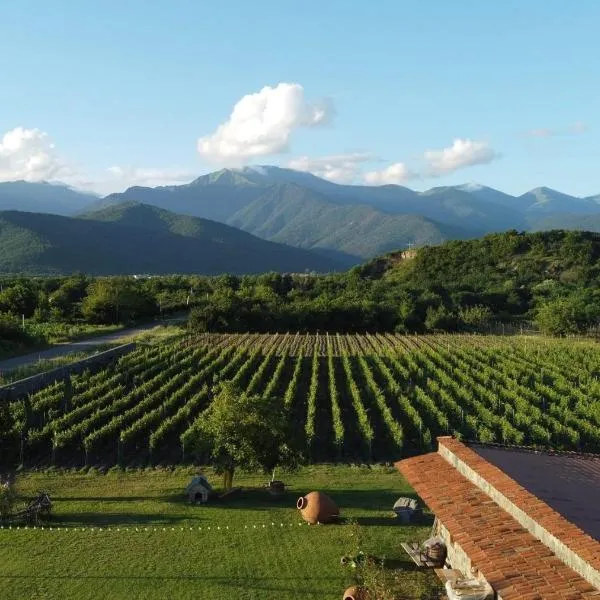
x=353 y=397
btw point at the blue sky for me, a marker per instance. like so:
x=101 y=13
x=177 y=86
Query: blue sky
x=421 y=93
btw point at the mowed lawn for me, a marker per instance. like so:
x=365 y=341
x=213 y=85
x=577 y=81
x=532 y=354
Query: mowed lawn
x=141 y=539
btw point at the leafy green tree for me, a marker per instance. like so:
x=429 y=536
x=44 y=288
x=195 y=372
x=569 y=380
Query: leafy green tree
x=66 y=299
x=19 y=299
x=117 y=300
x=440 y=318
x=6 y=429
x=475 y=317
x=571 y=314
x=239 y=430
x=10 y=328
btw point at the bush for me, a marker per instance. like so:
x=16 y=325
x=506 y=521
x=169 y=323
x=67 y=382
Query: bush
x=475 y=317
x=571 y=314
x=440 y=318
x=8 y=497
x=11 y=329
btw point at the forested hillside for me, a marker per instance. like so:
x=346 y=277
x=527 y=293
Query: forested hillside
x=133 y=238
x=549 y=278
x=516 y=259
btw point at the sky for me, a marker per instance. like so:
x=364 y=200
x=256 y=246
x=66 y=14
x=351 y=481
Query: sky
x=422 y=93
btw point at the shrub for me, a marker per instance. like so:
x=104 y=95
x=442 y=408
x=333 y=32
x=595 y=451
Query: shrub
x=8 y=498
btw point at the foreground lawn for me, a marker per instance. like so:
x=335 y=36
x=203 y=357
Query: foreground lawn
x=140 y=538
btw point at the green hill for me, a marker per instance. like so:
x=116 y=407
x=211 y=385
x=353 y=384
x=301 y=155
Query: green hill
x=134 y=238
x=501 y=261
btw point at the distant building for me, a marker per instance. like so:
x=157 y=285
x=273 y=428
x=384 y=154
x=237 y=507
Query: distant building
x=527 y=522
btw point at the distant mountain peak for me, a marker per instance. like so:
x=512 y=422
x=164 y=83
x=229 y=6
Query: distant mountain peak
x=471 y=186
x=223 y=177
x=544 y=193
x=51 y=197
x=274 y=174
x=546 y=190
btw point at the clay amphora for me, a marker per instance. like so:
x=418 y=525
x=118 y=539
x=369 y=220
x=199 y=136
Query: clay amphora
x=317 y=507
x=355 y=593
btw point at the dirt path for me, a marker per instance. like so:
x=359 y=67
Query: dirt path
x=79 y=346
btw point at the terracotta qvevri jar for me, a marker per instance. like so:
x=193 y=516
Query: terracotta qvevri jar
x=355 y=593
x=317 y=507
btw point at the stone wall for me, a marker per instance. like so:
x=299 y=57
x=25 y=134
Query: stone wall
x=456 y=557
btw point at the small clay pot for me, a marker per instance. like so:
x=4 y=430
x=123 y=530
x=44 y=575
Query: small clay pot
x=355 y=593
x=317 y=507
x=436 y=553
x=276 y=488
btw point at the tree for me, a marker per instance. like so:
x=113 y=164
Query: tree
x=239 y=430
x=574 y=313
x=65 y=300
x=117 y=300
x=440 y=318
x=475 y=317
x=19 y=299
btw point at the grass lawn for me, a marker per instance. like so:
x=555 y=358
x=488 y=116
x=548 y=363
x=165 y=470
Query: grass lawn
x=142 y=539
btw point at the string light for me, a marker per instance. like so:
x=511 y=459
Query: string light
x=233 y=529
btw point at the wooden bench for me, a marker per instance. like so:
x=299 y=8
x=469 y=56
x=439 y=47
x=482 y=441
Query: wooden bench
x=413 y=549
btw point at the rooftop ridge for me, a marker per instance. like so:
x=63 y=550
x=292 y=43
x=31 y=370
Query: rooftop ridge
x=532 y=449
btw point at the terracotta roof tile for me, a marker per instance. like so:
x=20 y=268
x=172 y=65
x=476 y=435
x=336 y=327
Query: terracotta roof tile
x=568 y=533
x=517 y=565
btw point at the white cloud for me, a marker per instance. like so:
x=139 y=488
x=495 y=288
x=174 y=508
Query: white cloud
x=395 y=173
x=261 y=124
x=29 y=154
x=574 y=129
x=340 y=168
x=463 y=153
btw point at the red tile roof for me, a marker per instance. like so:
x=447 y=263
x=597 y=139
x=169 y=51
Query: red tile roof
x=512 y=560
x=567 y=481
x=568 y=533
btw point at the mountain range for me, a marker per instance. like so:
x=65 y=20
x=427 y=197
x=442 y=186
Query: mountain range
x=345 y=224
x=132 y=238
x=356 y=222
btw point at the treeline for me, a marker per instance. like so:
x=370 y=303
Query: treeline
x=550 y=278
x=36 y=311
x=342 y=303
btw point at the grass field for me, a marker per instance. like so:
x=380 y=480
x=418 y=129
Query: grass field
x=142 y=539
